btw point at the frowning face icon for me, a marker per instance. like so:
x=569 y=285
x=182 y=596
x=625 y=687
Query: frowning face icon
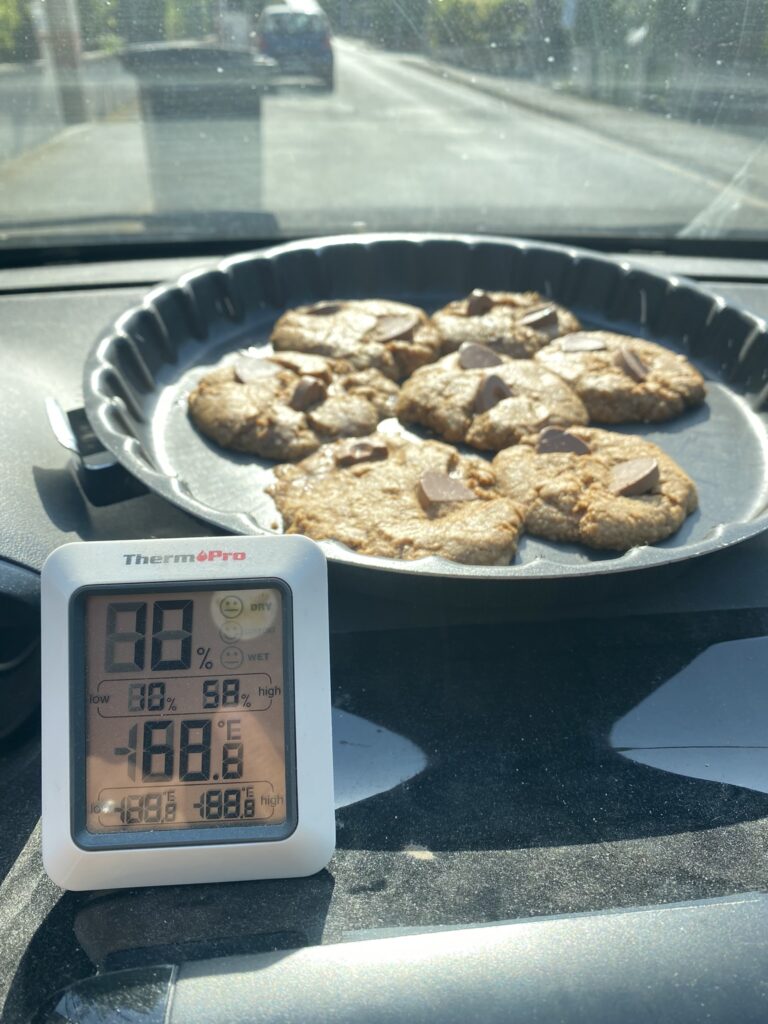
x=231 y=606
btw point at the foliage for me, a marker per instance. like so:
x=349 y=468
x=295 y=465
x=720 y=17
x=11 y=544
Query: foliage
x=703 y=29
x=98 y=21
x=188 y=19
x=147 y=21
x=478 y=22
x=17 y=37
x=10 y=22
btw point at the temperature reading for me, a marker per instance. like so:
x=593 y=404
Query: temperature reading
x=162 y=759
x=126 y=639
x=148 y=808
x=215 y=804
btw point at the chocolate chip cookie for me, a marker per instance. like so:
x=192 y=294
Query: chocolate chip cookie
x=605 y=490
x=400 y=499
x=487 y=400
x=621 y=379
x=389 y=336
x=517 y=323
x=284 y=406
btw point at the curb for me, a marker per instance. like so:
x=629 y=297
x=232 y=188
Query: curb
x=498 y=92
x=468 y=79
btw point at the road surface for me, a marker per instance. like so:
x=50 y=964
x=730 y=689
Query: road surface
x=392 y=146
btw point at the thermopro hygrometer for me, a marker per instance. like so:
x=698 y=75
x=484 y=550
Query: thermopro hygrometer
x=186 y=717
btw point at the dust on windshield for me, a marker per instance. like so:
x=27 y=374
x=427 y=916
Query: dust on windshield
x=175 y=119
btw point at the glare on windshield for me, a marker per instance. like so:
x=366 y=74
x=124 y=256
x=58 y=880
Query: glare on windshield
x=177 y=119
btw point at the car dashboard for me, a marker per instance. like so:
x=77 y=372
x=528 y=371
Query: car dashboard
x=551 y=794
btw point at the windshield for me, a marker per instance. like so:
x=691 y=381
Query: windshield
x=169 y=120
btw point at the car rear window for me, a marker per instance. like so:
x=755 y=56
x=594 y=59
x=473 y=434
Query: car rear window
x=290 y=21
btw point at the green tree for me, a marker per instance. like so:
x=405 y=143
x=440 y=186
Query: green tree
x=17 y=36
x=479 y=22
x=98 y=22
x=188 y=19
x=10 y=23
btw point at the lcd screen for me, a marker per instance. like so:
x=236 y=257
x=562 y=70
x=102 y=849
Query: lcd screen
x=185 y=709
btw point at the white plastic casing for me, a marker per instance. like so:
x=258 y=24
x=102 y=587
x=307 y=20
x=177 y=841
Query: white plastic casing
x=300 y=564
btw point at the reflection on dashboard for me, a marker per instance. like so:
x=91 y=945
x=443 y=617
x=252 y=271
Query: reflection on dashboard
x=708 y=721
x=369 y=759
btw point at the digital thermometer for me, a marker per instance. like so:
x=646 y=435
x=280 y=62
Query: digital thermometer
x=186 y=714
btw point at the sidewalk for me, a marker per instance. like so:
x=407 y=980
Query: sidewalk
x=727 y=158
x=30 y=113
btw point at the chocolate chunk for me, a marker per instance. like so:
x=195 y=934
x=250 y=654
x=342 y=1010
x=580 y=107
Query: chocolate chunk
x=394 y=327
x=553 y=439
x=541 y=318
x=361 y=451
x=323 y=309
x=491 y=391
x=474 y=357
x=637 y=476
x=251 y=368
x=632 y=364
x=583 y=343
x=309 y=391
x=513 y=300
x=434 y=488
x=478 y=302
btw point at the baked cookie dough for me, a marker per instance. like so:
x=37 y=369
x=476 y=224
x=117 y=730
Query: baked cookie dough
x=284 y=406
x=621 y=379
x=605 y=490
x=517 y=323
x=487 y=400
x=389 y=336
x=400 y=499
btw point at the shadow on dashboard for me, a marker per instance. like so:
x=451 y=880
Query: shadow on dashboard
x=114 y=930
x=134 y=518
x=515 y=722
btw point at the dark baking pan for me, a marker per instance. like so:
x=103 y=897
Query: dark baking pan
x=138 y=375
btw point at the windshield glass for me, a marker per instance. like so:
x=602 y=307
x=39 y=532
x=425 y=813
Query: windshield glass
x=163 y=120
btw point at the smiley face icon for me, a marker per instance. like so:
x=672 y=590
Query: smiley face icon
x=231 y=657
x=231 y=631
x=231 y=606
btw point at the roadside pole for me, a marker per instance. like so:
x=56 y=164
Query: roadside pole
x=63 y=32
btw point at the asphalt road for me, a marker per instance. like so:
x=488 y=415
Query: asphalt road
x=394 y=146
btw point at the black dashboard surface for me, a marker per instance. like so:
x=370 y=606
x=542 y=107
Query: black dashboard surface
x=524 y=808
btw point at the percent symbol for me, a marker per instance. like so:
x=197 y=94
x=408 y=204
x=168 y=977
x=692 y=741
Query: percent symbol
x=204 y=653
x=171 y=703
x=245 y=700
